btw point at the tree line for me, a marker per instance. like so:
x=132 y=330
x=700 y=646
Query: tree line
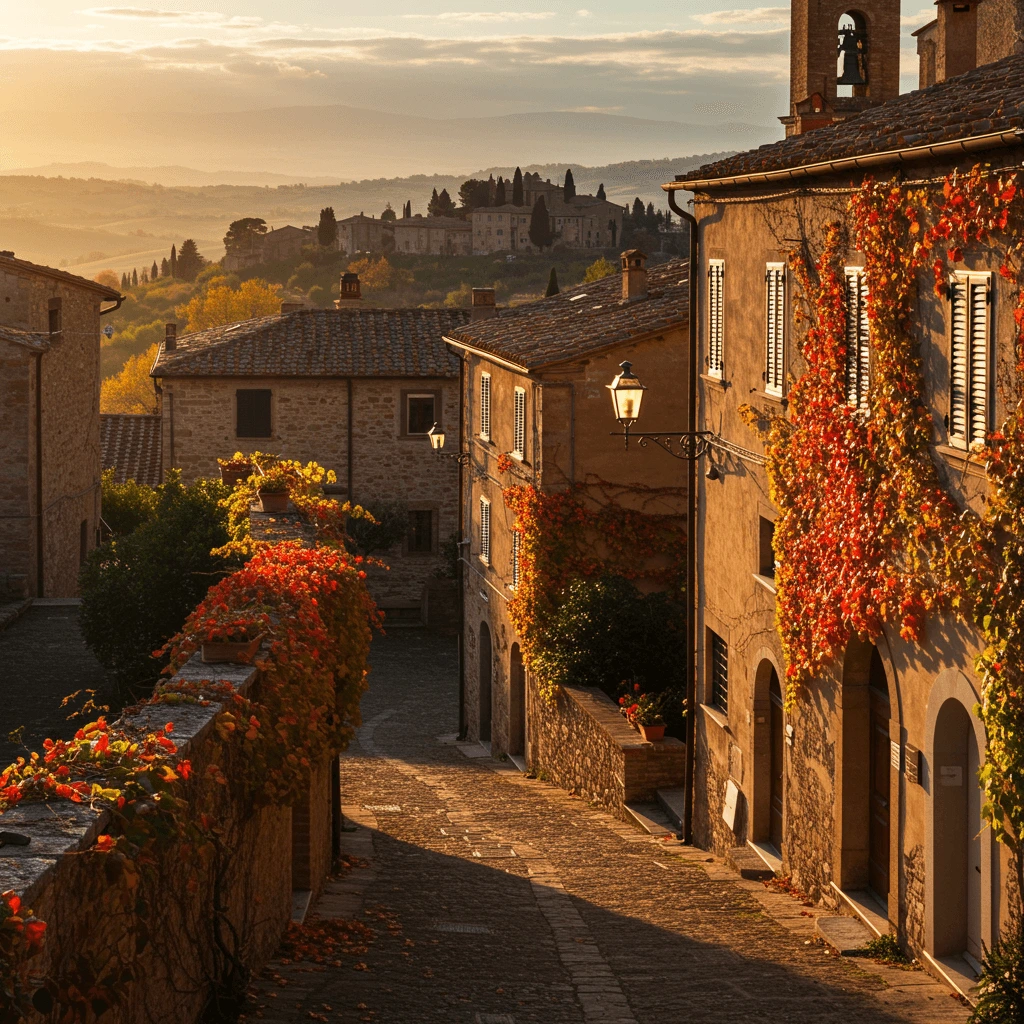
x=184 y=264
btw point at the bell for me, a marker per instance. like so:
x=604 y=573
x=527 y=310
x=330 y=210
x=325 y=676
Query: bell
x=852 y=65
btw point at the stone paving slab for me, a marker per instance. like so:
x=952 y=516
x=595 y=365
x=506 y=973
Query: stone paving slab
x=590 y=921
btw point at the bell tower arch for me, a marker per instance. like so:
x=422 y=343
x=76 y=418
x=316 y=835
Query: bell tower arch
x=844 y=57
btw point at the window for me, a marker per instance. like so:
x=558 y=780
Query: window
x=252 y=409
x=519 y=427
x=485 y=531
x=970 y=379
x=485 y=406
x=420 y=413
x=516 y=538
x=765 y=551
x=420 y=538
x=83 y=541
x=719 y=673
x=775 y=335
x=858 y=359
x=55 y=316
x=716 y=272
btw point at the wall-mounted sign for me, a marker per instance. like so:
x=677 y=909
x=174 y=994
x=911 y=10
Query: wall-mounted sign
x=732 y=803
x=951 y=775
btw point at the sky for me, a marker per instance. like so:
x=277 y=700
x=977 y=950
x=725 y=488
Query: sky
x=697 y=61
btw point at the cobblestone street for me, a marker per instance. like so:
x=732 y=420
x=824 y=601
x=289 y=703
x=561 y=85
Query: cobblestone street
x=498 y=899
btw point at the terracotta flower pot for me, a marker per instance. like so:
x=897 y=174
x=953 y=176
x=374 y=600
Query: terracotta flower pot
x=232 y=475
x=276 y=501
x=218 y=651
x=652 y=733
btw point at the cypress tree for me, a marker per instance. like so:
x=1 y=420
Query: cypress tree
x=638 y=213
x=135 y=278
x=499 y=193
x=165 y=267
x=174 y=262
x=190 y=262
x=569 y=188
x=552 y=284
x=600 y=192
x=124 y=281
x=517 y=188
x=327 y=228
x=540 y=224
x=154 y=271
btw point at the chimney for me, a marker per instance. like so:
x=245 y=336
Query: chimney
x=483 y=304
x=292 y=306
x=634 y=275
x=170 y=337
x=348 y=291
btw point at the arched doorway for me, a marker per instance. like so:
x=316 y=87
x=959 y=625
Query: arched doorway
x=956 y=840
x=778 y=747
x=517 y=702
x=879 y=832
x=485 y=683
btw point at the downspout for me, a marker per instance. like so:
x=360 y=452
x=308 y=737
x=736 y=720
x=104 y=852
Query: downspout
x=348 y=459
x=39 y=475
x=460 y=578
x=691 y=526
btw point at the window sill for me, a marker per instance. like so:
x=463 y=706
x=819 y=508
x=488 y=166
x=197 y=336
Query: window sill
x=972 y=463
x=717 y=717
x=717 y=382
x=768 y=582
x=767 y=396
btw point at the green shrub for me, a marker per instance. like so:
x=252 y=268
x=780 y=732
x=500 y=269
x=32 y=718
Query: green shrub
x=127 y=506
x=606 y=631
x=886 y=949
x=374 y=538
x=138 y=589
x=1001 y=986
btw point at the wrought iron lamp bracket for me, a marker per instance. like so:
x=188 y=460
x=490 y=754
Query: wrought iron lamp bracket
x=680 y=444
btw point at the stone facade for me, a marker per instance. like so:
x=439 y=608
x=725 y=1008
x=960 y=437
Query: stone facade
x=433 y=236
x=964 y=36
x=361 y=234
x=311 y=421
x=584 y=745
x=585 y=223
x=49 y=382
x=831 y=783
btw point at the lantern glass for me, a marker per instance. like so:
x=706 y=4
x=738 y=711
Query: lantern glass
x=436 y=436
x=627 y=394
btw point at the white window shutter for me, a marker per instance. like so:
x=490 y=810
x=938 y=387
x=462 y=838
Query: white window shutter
x=716 y=274
x=516 y=538
x=519 y=430
x=775 y=315
x=485 y=406
x=959 y=375
x=858 y=348
x=979 y=336
x=485 y=530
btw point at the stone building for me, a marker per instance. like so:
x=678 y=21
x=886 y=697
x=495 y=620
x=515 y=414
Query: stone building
x=276 y=245
x=533 y=389
x=49 y=426
x=865 y=792
x=363 y=234
x=433 y=236
x=583 y=223
x=355 y=389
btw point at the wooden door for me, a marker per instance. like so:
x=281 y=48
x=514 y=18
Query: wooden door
x=878 y=849
x=778 y=745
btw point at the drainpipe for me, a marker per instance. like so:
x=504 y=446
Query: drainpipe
x=39 y=475
x=348 y=459
x=691 y=526
x=460 y=578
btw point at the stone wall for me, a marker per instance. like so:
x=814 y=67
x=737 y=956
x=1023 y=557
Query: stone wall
x=310 y=422
x=584 y=745
x=17 y=532
x=266 y=854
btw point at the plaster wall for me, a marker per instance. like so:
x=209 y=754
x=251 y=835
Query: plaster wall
x=310 y=421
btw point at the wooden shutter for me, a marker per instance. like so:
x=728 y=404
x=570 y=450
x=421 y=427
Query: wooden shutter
x=719 y=673
x=775 y=280
x=716 y=274
x=858 y=348
x=969 y=373
x=252 y=412
x=485 y=530
x=519 y=431
x=485 y=406
x=516 y=538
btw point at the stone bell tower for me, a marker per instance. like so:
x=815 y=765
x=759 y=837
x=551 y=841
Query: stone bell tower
x=837 y=48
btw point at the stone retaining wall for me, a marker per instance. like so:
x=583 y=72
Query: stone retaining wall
x=584 y=745
x=266 y=855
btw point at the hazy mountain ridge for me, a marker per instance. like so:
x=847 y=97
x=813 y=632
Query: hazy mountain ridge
x=93 y=223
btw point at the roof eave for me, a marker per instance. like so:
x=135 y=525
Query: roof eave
x=970 y=144
x=465 y=346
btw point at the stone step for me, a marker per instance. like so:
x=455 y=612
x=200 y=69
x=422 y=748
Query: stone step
x=846 y=935
x=650 y=817
x=748 y=864
x=673 y=802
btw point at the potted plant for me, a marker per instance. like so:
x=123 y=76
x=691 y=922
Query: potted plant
x=646 y=712
x=236 y=469
x=231 y=639
x=273 y=489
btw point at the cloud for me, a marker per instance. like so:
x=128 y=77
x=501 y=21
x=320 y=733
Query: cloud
x=914 y=21
x=133 y=12
x=206 y=18
x=489 y=17
x=744 y=16
x=584 y=13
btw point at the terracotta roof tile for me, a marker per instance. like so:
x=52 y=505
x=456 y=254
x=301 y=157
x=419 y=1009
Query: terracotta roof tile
x=988 y=99
x=130 y=445
x=583 y=319
x=364 y=342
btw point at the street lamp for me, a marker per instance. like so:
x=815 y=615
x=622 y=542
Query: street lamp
x=435 y=435
x=627 y=397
